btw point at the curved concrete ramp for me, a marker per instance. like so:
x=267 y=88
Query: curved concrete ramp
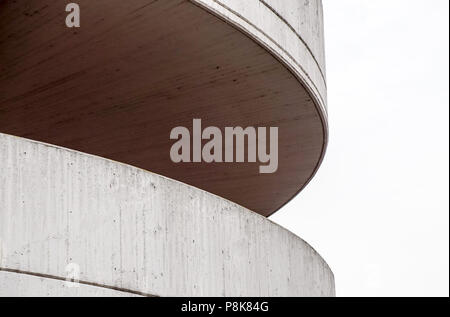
x=129 y=230
x=136 y=69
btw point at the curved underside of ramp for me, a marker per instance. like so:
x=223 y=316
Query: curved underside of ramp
x=135 y=69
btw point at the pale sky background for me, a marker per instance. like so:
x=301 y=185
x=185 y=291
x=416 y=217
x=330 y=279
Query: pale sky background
x=378 y=209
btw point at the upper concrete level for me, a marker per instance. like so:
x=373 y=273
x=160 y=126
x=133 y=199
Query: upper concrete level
x=135 y=69
x=292 y=30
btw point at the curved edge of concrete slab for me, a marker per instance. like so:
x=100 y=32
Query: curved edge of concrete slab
x=300 y=47
x=233 y=63
x=15 y=284
x=274 y=24
x=129 y=229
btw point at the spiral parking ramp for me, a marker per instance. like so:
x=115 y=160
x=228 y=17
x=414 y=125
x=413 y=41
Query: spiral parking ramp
x=88 y=192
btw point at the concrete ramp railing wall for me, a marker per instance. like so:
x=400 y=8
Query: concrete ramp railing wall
x=76 y=105
x=133 y=231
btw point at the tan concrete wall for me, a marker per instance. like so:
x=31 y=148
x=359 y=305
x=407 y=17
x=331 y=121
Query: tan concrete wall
x=130 y=229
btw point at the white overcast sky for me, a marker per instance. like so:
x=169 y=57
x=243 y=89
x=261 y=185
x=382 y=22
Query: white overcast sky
x=378 y=209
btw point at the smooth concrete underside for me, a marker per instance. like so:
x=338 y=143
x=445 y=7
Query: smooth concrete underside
x=136 y=69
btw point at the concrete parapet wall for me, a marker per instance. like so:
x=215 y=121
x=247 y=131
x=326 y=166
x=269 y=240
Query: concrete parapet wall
x=128 y=229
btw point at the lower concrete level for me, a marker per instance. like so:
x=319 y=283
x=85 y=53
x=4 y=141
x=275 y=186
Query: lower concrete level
x=15 y=284
x=121 y=230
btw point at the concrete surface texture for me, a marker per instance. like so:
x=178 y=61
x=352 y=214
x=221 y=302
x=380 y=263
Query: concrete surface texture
x=133 y=230
x=96 y=105
x=134 y=70
x=290 y=29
